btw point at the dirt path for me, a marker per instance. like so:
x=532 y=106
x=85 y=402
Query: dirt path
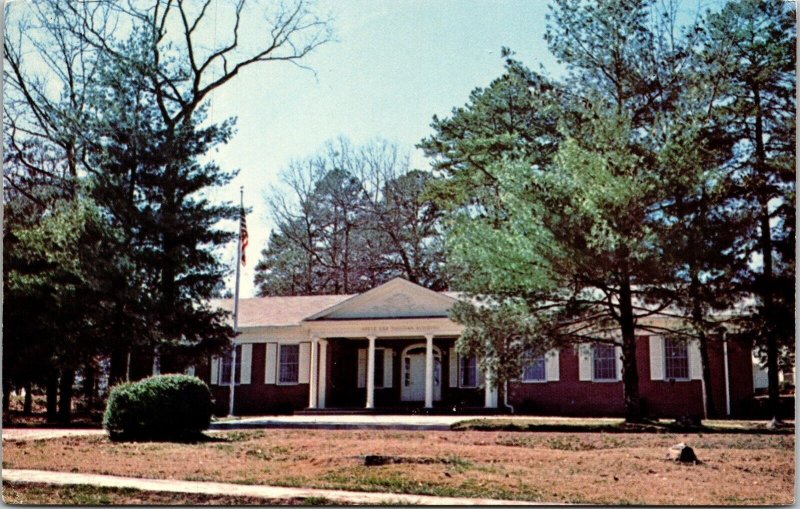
x=42 y=433
x=266 y=492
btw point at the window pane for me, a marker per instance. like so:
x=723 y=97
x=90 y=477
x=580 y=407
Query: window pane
x=289 y=364
x=225 y=371
x=468 y=371
x=605 y=362
x=534 y=369
x=676 y=359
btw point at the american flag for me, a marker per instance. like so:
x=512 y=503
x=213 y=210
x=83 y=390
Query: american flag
x=243 y=233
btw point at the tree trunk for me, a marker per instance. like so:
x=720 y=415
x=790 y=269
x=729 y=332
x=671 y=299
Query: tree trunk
x=119 y=361
x=630 y=375
x=52 y=397
x=28 y=406
x=765 y=242
x=65 y=396
x=89 y=385
x=697 y=317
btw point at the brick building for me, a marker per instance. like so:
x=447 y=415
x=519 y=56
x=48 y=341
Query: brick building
x=393 y=349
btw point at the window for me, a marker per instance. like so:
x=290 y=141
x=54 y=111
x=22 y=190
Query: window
x=289 y=367
x=534 y=369
x=379 y=353
x=605 y=362
x=676 y=359
x=225 y=371
x=468 y=371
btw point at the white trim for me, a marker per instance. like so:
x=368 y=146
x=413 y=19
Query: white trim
x=304 y=363
x=695 y=360
x=552 y=365
x=657 y=358
x=370 y=295
x=271 y=364
x=453 y=367
x=388 y=374
x=214 y=377
x=585 y=362
x=246 y=367
x=727 y=376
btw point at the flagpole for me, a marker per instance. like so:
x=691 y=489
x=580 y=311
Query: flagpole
x=236 y=303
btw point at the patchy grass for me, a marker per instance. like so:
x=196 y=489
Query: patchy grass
x=46 y=494
x=610 y=425
x=587 y=467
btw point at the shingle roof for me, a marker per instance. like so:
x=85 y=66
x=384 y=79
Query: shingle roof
x=278 y=311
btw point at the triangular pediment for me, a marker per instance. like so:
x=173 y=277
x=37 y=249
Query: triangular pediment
x=397 y=298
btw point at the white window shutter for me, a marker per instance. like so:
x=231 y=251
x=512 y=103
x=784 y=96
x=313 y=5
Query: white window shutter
x=215 y=370
x=271 y=364
x=618 y=358
x=362 y=368
x=304 y=368
x=656 y=358
x=481 y=374
x=247 y=363
x=585 y=362
x=453 y=367
x=387 y=368
x=695 y=362
x=551 y=365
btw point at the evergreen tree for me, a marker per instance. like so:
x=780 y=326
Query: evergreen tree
x=147 y=176
x=751 y=45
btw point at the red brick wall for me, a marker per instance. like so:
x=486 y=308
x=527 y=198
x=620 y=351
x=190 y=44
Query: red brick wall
x=568 y=396
x=257 y=397
x=572 y=397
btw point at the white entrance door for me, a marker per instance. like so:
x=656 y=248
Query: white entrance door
x=413 y=381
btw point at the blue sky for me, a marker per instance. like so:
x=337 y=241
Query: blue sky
x=392 y=67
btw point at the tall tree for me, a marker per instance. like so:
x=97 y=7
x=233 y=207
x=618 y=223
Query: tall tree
x=63 y=62
x=354 y=218
x=148 y=178
x=751 y=44
x=562 y=234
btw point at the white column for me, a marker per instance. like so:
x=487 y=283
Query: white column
x=429 y=371
x=313 y=378
x=323 y=372
x=490 y=392
x=371 y=373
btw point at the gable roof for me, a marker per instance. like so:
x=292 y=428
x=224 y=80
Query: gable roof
x=278 y=311
x=397 y=298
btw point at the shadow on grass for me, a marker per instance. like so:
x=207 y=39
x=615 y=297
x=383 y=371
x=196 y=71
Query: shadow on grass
x=180 y=438
x=621 y=427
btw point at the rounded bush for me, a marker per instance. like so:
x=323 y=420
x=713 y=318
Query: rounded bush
x=159 y=407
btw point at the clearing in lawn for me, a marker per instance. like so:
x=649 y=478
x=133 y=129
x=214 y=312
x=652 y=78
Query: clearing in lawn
x=604 y=468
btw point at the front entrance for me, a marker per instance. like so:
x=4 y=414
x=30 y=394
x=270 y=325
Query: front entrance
x=412 y=387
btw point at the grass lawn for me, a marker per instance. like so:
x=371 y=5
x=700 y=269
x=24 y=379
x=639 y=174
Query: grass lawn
x=44 y=494
x=589 y=467
x=614 y=425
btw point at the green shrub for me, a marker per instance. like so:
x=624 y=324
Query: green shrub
x=159 y=407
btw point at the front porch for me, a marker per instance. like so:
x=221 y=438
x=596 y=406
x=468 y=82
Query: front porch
x=417 y=374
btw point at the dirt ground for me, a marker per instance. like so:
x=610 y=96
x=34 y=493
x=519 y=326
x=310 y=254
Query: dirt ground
x=604 y=468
